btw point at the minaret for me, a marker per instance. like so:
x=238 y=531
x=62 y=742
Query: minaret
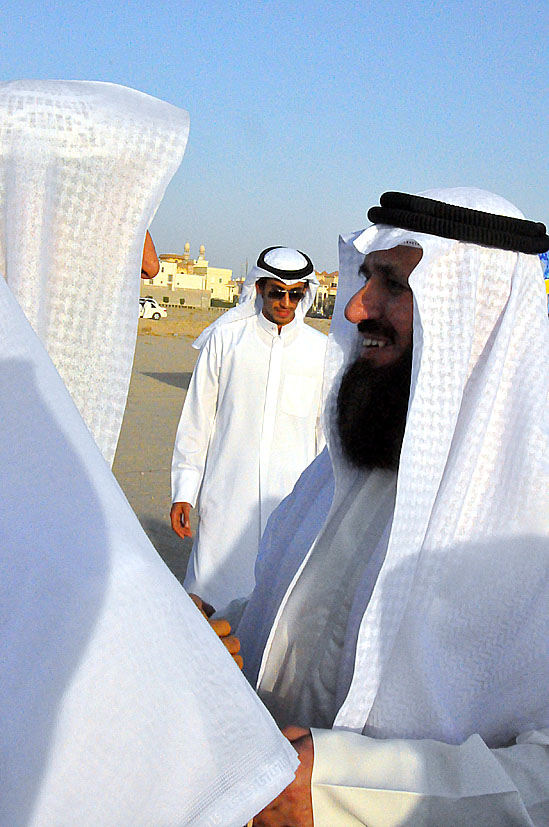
x=201 y=265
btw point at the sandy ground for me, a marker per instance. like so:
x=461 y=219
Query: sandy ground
x=163 y=364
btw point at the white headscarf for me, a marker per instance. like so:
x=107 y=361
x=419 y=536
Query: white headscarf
x=83 y=167
x=284 y=259
x=464 y=589
x=118 y=704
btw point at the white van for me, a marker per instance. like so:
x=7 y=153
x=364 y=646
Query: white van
x=150 y=309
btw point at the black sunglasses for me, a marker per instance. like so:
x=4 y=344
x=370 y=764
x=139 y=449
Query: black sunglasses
x=295 y=296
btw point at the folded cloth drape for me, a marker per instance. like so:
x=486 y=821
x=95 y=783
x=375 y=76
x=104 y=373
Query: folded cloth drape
x=83 y=168
x=118 y=704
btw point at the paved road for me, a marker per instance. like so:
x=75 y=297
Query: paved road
x=161 y=373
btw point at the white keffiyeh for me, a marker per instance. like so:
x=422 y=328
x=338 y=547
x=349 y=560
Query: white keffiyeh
x=464 y=589
x=83 y=167
x=118 y=704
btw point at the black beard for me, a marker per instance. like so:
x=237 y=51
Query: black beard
x=371 y=412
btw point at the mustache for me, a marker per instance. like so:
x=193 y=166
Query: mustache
x=373 y=327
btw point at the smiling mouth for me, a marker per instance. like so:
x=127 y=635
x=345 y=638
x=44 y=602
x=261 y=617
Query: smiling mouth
x=374 y=342
x=370 y=342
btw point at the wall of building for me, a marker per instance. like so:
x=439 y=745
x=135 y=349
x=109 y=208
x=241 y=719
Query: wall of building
x=182 y=273
x=326 y=293
x=178 y=297
x=190 y=281
x=220 y=284
x=165 y=276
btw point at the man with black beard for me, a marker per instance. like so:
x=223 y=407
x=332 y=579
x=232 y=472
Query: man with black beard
x=373 y=396
x=398 y=631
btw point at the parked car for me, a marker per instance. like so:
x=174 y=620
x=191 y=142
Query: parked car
x=150 y=309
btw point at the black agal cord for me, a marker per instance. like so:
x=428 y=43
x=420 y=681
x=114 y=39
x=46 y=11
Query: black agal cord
x=285 y=274
x=425 y=215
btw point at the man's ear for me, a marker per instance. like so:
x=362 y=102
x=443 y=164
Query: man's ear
x=258 y=288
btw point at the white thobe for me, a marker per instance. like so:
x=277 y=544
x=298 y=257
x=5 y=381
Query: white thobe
x=307 y=669
x=426 y=783
x=119 y=705
x=250 y=425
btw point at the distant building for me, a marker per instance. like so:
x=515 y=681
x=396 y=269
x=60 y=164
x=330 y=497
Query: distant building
x=326 y=293
x=191 y=282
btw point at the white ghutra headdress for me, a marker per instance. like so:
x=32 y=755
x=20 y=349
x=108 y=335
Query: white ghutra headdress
x=118 y=704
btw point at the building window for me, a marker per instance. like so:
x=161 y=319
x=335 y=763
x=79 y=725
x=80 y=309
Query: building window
x=181 y=301
x=165 y=299
x=220 y=280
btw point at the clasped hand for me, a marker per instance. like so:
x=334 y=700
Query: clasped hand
x=294 y=806
x=221 y=627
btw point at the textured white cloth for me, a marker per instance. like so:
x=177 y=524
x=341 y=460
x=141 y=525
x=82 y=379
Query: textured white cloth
x=305 y=675
x=394 y=781
x=118 y=704
x=425 y=783
x=251 y=302
x=454 y=641
x=249 y=426
x=465 y=582
x=83 y=166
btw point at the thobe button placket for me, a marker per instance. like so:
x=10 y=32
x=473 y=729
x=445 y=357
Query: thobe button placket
x=269 y=420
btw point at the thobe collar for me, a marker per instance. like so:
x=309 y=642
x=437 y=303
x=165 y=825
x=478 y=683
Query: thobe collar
x=288 y=332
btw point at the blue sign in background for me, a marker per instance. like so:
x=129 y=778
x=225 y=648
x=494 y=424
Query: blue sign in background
x=545 y=262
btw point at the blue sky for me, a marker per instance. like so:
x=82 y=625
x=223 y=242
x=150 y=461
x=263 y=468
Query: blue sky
x=303 y=113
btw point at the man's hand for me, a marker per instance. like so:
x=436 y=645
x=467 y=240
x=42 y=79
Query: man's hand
x=205 y=609
x=180 y=515
x=294 y=806
x=221 y=627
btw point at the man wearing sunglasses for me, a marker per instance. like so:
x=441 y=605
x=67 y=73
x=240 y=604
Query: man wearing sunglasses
x=279 y=300
x=250 y=423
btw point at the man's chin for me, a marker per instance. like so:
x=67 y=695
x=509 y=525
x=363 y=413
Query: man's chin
x=284 y=318
x=380 y=357
x=371 y=410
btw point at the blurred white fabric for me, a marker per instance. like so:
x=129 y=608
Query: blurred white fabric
x=83 y=168
x=118 y=704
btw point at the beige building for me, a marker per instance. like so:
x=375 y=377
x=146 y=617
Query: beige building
x=326 y=293
x=180 y=274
